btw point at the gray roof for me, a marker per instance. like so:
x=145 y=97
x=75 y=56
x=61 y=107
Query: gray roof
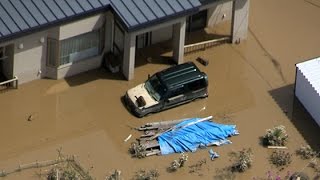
x=18 y=17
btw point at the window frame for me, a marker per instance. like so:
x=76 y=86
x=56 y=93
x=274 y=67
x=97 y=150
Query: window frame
x=101 y=45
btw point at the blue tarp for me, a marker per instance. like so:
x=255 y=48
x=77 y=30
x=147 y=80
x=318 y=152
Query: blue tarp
x=188 y=139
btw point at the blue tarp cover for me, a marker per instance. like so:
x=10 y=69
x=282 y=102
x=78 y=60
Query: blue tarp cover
x=188 y=139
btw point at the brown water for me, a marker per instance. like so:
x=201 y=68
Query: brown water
x=250 y=86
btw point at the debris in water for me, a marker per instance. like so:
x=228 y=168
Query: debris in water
x=179 y=136
x=203 y=61
x=213 y=154
x=128 y=138
x=116 y=175
x=30 y=118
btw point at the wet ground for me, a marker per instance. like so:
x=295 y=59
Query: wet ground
x=251 y=85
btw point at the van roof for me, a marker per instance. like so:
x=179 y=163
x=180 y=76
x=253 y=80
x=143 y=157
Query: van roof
x=179 y=75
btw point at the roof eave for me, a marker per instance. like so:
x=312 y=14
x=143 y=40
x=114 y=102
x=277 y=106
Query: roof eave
x=161 y=20
x=63 y=21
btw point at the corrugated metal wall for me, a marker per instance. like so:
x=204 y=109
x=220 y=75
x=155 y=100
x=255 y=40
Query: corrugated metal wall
x=306 y=92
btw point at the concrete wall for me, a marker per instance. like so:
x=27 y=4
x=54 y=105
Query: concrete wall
x=162 y=34
x=308 y=96
x=81 y=26
x=109 y=27
x=29 y=62
x=219 y=12
x=240 y=20
x=30 y=57
x=77 y=28
x=80 y=66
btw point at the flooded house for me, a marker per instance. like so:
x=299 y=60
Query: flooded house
x=56 y=39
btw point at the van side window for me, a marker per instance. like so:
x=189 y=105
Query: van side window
x=199 y=84
x=177 y=91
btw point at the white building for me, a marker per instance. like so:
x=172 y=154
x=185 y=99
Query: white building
x=307 y=88
x=60 y=38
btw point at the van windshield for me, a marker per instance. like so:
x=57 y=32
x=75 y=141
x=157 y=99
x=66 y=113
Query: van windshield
x=155 y=88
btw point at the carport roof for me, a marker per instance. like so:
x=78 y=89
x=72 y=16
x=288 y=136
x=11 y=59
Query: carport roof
x=18 y=17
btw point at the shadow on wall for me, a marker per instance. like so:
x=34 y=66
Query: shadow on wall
x=92 y=75
x=297 y=114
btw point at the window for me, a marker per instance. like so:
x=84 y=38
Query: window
x=180 y=90
x=81 y=47
x=196 y=85
x=155 y=88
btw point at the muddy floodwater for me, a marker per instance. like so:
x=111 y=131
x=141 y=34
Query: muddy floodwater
x=251 y=85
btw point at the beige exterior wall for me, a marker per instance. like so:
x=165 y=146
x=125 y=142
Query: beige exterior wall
x=162 y=34
x=81 y=26
x=78 y=67
x=29 y=62
x=219 y=12
x=74 y=29
x=30 y=55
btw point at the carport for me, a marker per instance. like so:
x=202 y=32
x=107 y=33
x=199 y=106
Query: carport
x=131 y=21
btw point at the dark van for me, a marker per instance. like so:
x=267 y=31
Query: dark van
x=166 y=89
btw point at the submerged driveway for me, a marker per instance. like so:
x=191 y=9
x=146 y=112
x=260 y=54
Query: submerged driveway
x=250 y=85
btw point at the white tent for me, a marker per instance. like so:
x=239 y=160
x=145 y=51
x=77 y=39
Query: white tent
x=307 y=88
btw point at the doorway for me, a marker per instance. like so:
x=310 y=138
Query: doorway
x=6 y=62
x=197 y=21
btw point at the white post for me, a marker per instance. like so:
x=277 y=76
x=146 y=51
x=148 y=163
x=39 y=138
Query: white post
x=240 y=15
x=179 y=31
x=129 y=55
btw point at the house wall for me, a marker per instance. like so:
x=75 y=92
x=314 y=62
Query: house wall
x=74 y=29
x=29 y=62
x=240 y=20
x=30 y=56
x=78 y=67
x=109 y=27
x=308 y=96
x=219 y=12
x=81 y=26
x=162 y=34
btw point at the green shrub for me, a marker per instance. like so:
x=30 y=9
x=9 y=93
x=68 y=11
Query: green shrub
x=280 y=158
x=243 y=160
x=276 y=136
x=137 y=150
x=176 y=164
x=306 y=152
x=152 y=174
